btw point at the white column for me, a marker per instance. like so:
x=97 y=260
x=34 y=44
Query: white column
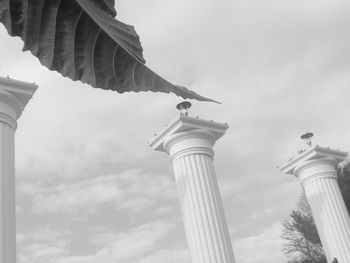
x=7 y=189
x=189 y=143
x=318 y=177
x=14 y=95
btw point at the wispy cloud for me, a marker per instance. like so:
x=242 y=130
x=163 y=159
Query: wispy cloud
x=135 y=242
x=43 y=245
x=266 y=246
x=133 y=190
x=134 y=245
x=139 y=244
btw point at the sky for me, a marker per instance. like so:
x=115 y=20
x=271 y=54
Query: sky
x=90 y=189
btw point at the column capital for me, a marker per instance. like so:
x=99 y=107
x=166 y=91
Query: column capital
x=316 y=155
x=14 y=96
x=188 y=133
x=323 y=167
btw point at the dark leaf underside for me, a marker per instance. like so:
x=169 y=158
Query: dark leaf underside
x=82 y=40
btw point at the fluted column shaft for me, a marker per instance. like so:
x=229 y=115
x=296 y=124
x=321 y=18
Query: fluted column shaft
x=319 y=180
x=8 y=113
x=203 y=214
x=7 y=194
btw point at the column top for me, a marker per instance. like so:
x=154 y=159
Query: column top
x=18 y=93
x=186 y=123
x=314 y=153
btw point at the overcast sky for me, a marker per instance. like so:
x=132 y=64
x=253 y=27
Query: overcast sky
x=89 y=188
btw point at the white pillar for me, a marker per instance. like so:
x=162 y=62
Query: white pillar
x=317 y=171
x=189 y=143
x=14 y=95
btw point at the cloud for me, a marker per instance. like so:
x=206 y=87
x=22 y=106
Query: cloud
x=266 y=246
x=168 y=256
x=138 y=244
x=133 y=190
x=134 y=245
x=42 y=245
x=137 y=204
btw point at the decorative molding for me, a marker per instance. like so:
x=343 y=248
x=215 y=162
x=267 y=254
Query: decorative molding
x=184 y=124
x=314 y=152
x=6 y=119
x=195 y=150
x=14 y=96
x=319 y=176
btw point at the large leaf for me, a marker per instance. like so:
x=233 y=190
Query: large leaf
x=82 y=40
